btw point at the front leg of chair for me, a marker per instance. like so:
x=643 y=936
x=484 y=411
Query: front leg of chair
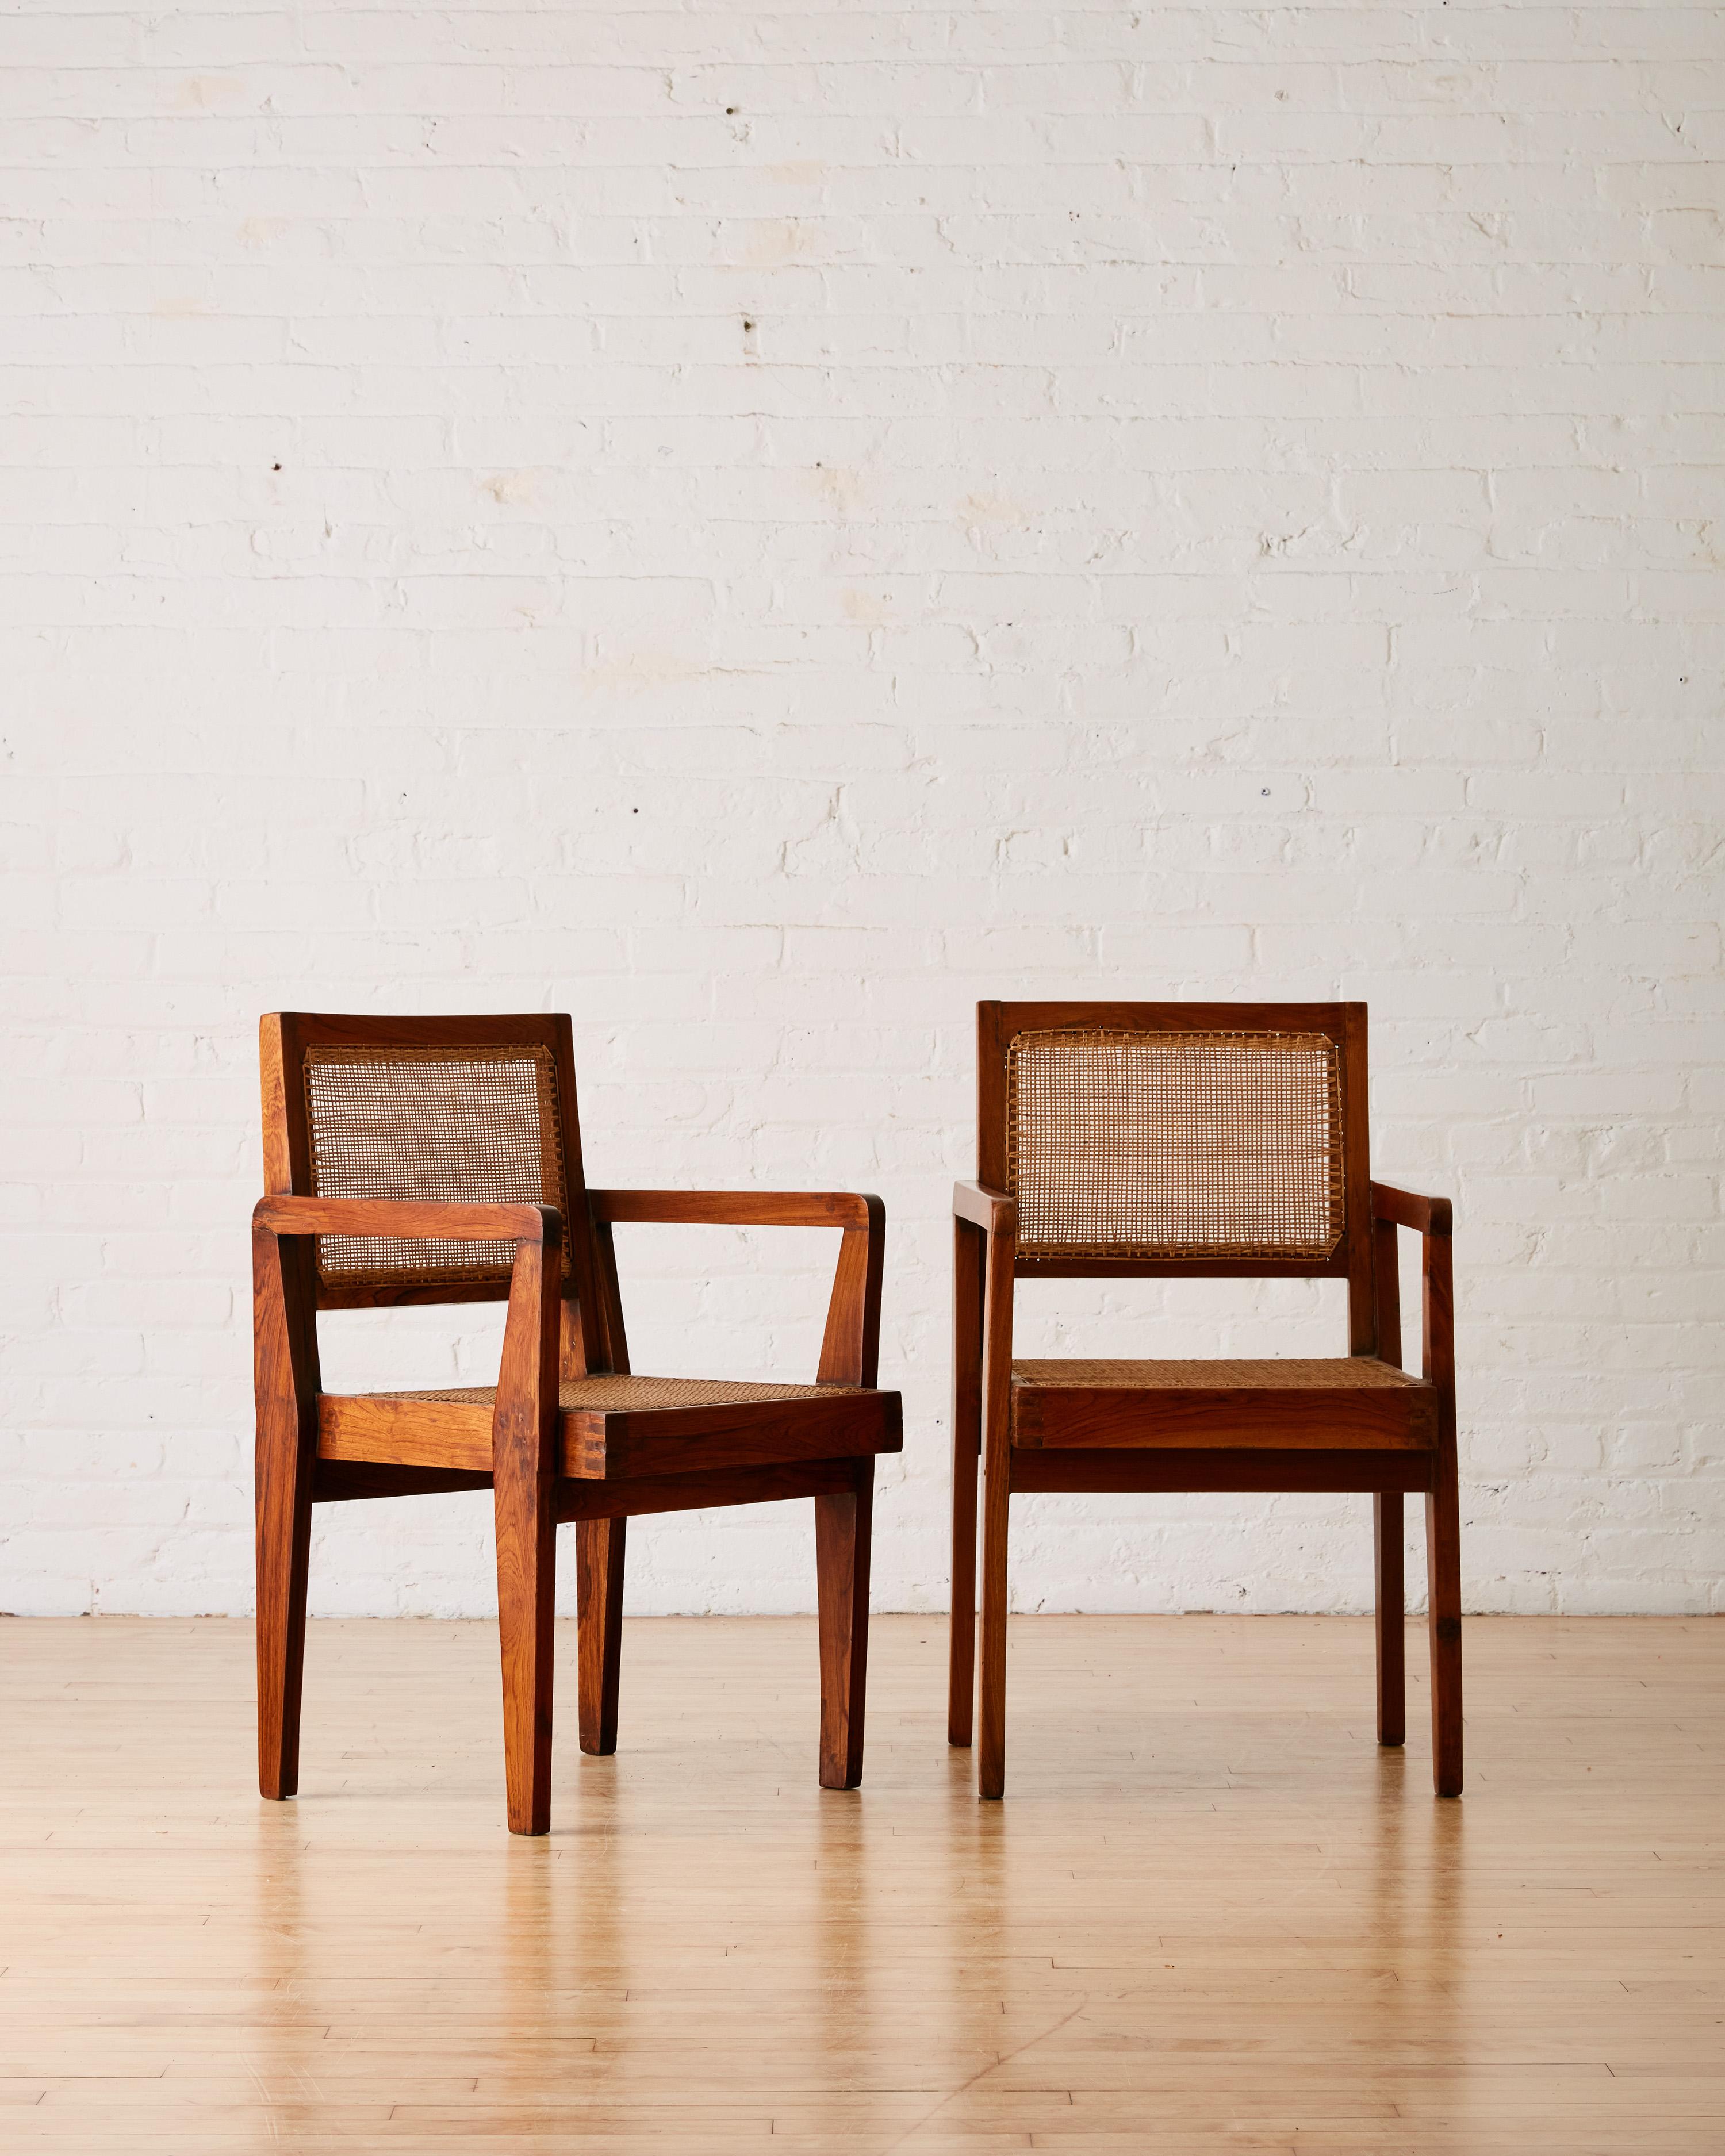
x=599 y=1604
x=285 y=1356
x=997 y=1442
x=523 y=1472
x=1392 y=1602
x=1443 y=1520
x=1443 y=1561
x=968 y=1249
x=844 y=1527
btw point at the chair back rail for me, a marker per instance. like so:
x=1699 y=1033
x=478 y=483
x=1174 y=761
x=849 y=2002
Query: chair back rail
x=1151 y=1139
x=442 y=1110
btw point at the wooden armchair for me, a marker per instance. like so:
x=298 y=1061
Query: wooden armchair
x=438 y=1160
x=1136 y=1140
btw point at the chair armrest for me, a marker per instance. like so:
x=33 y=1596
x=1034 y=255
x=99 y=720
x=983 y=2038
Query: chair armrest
x=1430 y=1219
x=850 y=1347
x=413 y=1220
x=287 y=1383
x=985 y=1208
x=1426 y=1216
x=738 y=1208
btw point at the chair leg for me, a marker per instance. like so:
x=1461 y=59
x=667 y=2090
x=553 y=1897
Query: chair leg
x=599 y=1604
x=1443 y=1566
x=990 y=1750
x=283 y=1552
x=843 y=1530
x=967 y=1250
x=1392 y=1617
x=961 y=1650
x=526 y=1587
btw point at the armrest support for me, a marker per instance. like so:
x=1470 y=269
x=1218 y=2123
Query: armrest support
x=1432 y=1220
x=287 y=1342
x=985 y=1208
x=850 y=1346
x=1425 y=1216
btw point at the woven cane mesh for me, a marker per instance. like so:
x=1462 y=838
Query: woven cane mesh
x=1294 y=1373
x=1165 y=1145
x=459 y=1125
x=612 y=1394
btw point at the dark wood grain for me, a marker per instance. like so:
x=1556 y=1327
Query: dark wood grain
x=1443 y=1517
x=617 y=1443
x=737 y=1208
x=843 y=1527
x=339 y=1481
x=1370 y=1417
x=1037 y=1267
x=1356 y=1183
x=702 y=1491
x=997 y=1491
x=418 y=1217
x=850 y=1344
x=994 y=1029
x=286 y=1375
x=1256 y=1469
x=1390 y=1586
x=1425 y=1216
x=599 y=1553
x=624 y=1443
x=984 y=1207
x=968 y=1253
x=1390 y=1606
x=613 y=1336
x=523 y=1471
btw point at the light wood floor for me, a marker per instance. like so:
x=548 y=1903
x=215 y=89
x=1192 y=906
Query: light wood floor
x=1211 y=1915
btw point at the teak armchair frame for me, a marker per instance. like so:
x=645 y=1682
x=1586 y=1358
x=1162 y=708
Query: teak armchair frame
x=568 y=1434
x=1355 y=1424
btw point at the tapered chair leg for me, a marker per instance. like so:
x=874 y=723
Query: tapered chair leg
x=842 y=1531
x=285 y=1351
x=526 y=1587
x=1443 y=1564
x=599 y=1604
x=966 y=1442
x=284 y=1550
x=1392 y=1617
x=991 y=1734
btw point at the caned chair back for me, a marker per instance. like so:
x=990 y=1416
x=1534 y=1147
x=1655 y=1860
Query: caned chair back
x=1181 y=1137
x=475 y=1110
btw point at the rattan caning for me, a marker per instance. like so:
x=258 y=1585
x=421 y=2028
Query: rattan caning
x=459 y=1125
x=609 y=1393
x=1286 y=1373
x=1125 y=1145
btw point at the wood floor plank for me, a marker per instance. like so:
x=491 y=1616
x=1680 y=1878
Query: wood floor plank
x=1209 y=1901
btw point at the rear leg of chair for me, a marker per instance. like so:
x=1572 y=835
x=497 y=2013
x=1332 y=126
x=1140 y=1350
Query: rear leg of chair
x=599 y=1604
x=843 y=1525
x=1392 y=1617
x=526 y=1587
x=1443 y=1565
x=283 y=1552
x=967 y=1250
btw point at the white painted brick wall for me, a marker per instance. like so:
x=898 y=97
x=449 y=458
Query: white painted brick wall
x=761 y=527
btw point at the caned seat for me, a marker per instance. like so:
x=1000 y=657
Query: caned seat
x=1153 y=1140
x=1339 y=1402
x=438 y=1160
x=612 y=1427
